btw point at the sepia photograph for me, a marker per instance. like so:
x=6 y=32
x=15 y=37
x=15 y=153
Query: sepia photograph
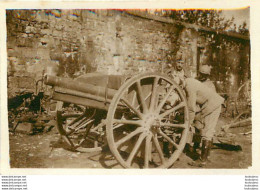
x=129 y=88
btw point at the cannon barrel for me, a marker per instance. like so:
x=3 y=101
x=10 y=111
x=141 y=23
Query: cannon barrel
x=74 y=91
x=71 y=84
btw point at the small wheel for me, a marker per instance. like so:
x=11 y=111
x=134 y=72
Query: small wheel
x=243 y=98
x=242 y=116
x=148 y=122
x=81 y=128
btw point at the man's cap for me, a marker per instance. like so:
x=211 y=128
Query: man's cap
x=205 y=69
x=179 y=61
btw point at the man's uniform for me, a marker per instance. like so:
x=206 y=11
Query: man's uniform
x=199 y=121
x=210 y=84
x=209 y=102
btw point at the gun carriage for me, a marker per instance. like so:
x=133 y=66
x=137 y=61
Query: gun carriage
x=143 y=119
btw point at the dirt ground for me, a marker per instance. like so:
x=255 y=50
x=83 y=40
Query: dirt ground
x=37 y=151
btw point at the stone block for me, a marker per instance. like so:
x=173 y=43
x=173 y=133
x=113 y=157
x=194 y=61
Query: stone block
x=72 y=17
x=57 y=33
x=30 y=29
x=11 y=52
x=46 y=31
x=24 y=35
x=13 y=60
x=41 y=16
x=59 y=27
x=89 y=14
x=43 y=53
x=56 y=13
x=24 y=42
x=24 y=128
x=29 y=53
x=55 y=54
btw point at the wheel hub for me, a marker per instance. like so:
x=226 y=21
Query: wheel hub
x=151 y=122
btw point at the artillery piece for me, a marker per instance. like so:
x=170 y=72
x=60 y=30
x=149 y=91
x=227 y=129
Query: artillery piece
x=144 y=119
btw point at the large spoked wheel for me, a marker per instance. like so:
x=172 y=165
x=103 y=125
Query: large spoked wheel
x=148 y=122
x=81 y=128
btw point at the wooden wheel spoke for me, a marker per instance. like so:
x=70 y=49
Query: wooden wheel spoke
x=134 y=98
x=168 y=139
x=131 y=107
x=182 y=104
x=158 y=148
x=69 y=115
x=117 y=126
x=165 y=99
x=76 y=124
x=135 y=149
x=130 y=122
x=141 y=96
x=128 y=136
x=68 y=140
x=148 y=95
x=182 y=126
x=148 y=149
x=98 y=127
x=82 y=116
x=89 y=139
x=79 y=126
x=81 y=141
x=154 y=94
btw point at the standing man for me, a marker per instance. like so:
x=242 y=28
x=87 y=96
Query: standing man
x=210 y=103
x=204 y=73
x=177 y=72
x=204 y=77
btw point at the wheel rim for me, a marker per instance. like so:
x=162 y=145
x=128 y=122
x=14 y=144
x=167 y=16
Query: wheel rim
x=243 y=98
x=142 y=129
x=80 y=131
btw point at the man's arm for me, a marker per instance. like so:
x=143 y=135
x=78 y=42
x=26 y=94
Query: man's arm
x=191 y=97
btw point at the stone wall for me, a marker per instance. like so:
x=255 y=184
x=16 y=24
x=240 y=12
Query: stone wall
x=106 y=41
x=113 y=42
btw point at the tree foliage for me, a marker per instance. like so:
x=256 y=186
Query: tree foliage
x=208 y=18
x=228 y=56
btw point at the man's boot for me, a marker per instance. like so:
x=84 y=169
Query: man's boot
x=196 y=145
x=205 y=149
x=210 y=147
x=197 y=140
